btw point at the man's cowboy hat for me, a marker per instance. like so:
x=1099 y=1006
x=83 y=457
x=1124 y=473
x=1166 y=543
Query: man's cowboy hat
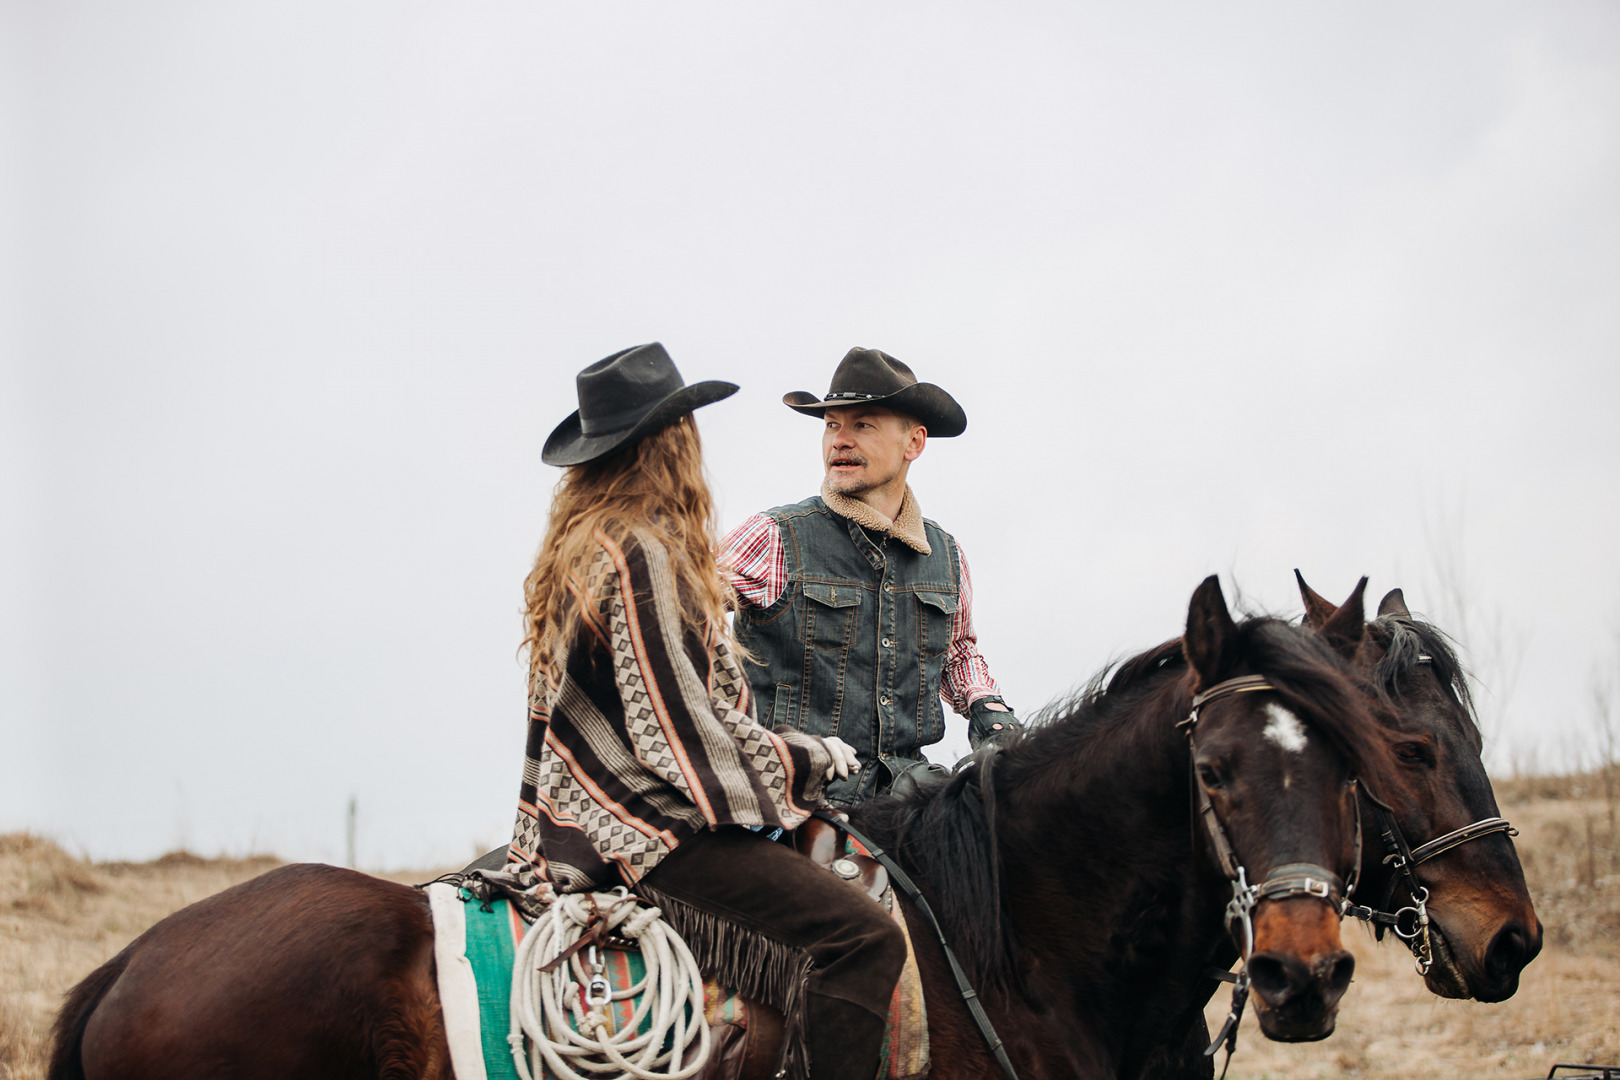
x=870 y=377
x=624 y=397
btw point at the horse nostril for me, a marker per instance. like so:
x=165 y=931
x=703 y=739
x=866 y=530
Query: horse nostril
x=1509 y=951
x=1277 y=978
x=1340 y=974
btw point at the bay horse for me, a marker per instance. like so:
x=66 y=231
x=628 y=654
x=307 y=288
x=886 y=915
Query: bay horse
x=1482 y=927
x=1069 y=868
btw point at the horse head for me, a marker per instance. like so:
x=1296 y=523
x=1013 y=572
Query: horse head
x=1482 y=928
x=1278 y=733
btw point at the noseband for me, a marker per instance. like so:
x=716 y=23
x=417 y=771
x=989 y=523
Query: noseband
x=1282 y=883
x=1411 y=924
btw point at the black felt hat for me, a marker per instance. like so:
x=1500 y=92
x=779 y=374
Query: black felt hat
x=623 y=397
x=870 y=377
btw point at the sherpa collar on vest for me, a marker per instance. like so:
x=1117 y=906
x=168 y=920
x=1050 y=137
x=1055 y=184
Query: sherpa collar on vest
x=907 y=526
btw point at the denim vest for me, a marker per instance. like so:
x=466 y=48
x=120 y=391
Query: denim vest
x=855 y=646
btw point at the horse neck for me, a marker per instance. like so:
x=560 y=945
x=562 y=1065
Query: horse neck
x=1119 y=895
x=1101 y=808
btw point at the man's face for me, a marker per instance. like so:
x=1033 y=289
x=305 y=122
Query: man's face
x=865 y=447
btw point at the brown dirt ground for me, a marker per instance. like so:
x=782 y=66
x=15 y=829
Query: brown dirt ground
x=60 y=917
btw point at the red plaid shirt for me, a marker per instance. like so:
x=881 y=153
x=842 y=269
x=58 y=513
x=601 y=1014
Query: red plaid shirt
x=753 y=561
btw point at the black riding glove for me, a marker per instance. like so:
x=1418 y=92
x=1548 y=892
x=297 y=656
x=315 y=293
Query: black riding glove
x=985 y=723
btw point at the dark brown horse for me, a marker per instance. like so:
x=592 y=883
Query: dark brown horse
x=1066 y=868
x=1482 y=927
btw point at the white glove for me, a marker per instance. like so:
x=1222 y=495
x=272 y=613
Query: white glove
x=844 y=760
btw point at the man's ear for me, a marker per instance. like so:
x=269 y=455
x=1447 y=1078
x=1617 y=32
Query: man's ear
x=917 y=443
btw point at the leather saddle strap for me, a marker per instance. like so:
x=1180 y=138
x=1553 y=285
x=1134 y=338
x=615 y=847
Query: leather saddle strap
x=970 y=997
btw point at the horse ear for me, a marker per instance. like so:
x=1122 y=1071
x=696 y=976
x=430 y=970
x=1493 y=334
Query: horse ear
x=1393 y=603
x=1344 y=629
x=1210 y=632
x=1317 y=608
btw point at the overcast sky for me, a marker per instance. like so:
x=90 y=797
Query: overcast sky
x=291 y=295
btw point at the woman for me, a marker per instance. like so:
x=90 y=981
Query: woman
x=645 y=765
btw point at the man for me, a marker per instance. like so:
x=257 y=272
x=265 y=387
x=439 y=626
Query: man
x=856 y=608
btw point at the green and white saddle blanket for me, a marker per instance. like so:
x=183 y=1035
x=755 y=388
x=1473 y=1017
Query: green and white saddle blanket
x=474 y=948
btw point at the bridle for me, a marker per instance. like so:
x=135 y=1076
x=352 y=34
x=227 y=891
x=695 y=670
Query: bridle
x=1283 y=882
x=1411 y=924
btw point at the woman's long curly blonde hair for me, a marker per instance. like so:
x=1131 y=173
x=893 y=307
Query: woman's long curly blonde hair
x=656 y=485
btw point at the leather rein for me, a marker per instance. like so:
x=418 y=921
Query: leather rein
x=919 y=902
x=1411 y=924
x=1282 y=883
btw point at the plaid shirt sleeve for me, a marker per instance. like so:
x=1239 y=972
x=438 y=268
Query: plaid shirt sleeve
x=751 y=555
x=967 y=676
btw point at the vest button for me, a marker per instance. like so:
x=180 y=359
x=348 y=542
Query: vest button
x=885 y=700
x=887 y=643
x=888 y=588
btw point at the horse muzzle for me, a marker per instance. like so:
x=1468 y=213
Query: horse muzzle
x=1494 y=974
x=1299 y=970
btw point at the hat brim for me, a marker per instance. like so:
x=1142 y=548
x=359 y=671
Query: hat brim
x=568 y=445
x=930 y=404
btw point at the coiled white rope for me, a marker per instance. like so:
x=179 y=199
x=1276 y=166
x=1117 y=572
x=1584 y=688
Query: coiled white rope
x=542 y=1002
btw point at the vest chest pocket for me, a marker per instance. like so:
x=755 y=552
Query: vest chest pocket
x=936 y=611
x=829 y=614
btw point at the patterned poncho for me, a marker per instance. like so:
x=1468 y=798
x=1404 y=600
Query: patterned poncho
x=647 y=738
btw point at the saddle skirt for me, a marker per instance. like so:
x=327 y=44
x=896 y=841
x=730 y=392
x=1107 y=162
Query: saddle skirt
x=474 y=946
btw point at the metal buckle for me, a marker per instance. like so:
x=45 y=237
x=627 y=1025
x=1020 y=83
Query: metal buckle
x=597 y=990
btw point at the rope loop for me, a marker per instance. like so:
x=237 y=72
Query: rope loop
x=557 y=977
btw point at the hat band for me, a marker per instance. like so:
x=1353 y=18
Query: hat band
x=605 y=425
x=851 y=395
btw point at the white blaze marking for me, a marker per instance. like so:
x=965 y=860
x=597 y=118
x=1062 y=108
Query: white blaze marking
x=1284 y=728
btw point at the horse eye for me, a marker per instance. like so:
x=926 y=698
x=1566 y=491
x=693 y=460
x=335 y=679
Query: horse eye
x=1415 y=753
x=1211 y=775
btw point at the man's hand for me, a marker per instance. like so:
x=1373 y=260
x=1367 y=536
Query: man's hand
x=844 y=760
x=990 y=719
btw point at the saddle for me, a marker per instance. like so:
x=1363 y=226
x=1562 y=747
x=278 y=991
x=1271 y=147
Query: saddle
x=824 y=844
x=746 y=1034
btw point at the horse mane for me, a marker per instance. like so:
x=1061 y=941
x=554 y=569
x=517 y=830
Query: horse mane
x=1405 y=641
x=1304 y=670
x=944 y=832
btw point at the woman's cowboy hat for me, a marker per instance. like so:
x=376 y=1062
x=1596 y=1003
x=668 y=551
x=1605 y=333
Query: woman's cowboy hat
x=870 y=377
x=624 y=397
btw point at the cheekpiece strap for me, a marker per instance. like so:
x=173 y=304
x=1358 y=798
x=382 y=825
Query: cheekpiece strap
x=1224 y=855
x=1243 y=684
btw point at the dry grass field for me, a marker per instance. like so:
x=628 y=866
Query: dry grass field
x=60 y=917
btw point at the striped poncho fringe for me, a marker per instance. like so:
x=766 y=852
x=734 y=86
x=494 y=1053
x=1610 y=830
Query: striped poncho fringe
x=643 y=737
